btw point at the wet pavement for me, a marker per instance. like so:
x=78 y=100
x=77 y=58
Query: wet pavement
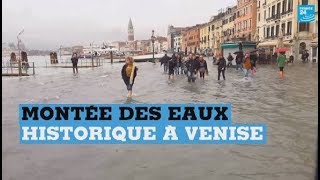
x=287 y=105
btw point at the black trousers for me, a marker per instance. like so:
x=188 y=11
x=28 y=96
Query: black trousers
x=202 y=74
x=219 y=72
x=75 y=67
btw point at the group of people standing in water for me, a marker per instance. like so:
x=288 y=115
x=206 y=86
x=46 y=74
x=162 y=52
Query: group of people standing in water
x=190 y=66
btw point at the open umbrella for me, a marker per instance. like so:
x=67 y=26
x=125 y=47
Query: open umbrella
x=278 y=50
x=237 y=52
x=253 y=51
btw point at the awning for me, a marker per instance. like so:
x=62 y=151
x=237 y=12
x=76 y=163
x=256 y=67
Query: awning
x=236 y=45
x=272 y=43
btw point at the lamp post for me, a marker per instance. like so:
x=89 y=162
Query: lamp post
x=152 y=40
x=19 y=62
x=91 y=44
x=60 y=53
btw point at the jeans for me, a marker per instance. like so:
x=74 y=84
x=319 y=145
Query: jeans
x=246 y=72
x=191 y=76
x=239 y=66
x=165 y=68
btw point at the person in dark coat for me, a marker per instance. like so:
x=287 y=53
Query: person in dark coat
x=239 y=60
x=192 y=66
x=253 y=61
x=129 y=73
x=164 y=61
x=230 y=59
x=203 y=69
x=178 y=64
x=221 y=66
x=74 y=61
x=172 y=65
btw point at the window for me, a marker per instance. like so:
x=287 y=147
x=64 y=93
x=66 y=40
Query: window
x=250 y=24
x=284 y=3
x=273 y=10
x=264 y=14
x=290 y=5
x=289 y=27
x=258 y=17
x=278 y=8
x=314 y=52
x=268 y=32
x=209 y=28
x=269 y=15
x=303 y=27
x=277 y=30
x=264 y=32
x=283 y=27
x=272 y=31
x=258 y=3
x=304 y=2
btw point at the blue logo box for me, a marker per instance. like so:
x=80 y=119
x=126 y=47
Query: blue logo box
x=306 y=13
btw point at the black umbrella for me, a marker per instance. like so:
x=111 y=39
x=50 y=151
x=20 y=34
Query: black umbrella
x=253 y=51
x=237 y=52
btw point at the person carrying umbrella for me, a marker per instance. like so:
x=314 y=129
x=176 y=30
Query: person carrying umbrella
x=230 y=59
x=239 y=60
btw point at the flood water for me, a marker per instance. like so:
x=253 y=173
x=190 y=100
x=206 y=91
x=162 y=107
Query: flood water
x=288 y=106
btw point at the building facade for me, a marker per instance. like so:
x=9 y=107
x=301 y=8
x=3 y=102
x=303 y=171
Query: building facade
x=228 y=24
x=217 y=31
x=275 y=21
x=246 y=18
x=204 y=37
x=172 y=33
x=278 y=21
x=191 y=39
x=177 y=43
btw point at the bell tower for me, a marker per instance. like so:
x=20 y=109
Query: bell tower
x=130 y=31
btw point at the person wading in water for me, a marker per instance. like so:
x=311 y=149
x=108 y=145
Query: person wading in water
x=192 y=68
x=221 y=66
x=203 y=67
x=230 y=59
x=129 y=73
x=164 y=61
x=246 y=65
x=281 y=60
x=74 y=61
x=172 y=65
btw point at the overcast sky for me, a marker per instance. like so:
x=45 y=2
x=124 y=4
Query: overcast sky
x=51 y=23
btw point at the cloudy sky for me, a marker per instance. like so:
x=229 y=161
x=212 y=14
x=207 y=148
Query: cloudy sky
x=48 y=24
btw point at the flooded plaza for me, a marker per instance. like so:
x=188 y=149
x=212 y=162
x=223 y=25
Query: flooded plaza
x=288 y=106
